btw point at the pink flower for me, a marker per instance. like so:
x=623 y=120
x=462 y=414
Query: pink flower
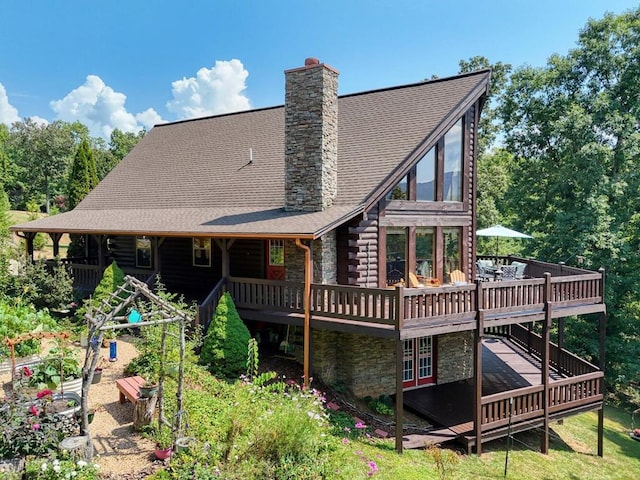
x=33 y=410
x=26 y=371
x=360 y=425
x=36 y=426
x=345 y=441
x=44 y=393
x=347 y=429
x=373 y=468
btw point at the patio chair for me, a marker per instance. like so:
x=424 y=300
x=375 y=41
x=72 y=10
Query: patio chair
x=458 y=276
x=414 y=282
x=485 y=270
x=520 y=268
x=509 y=272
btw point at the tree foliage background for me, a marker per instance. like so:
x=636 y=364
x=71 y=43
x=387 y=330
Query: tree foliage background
x=573 y=127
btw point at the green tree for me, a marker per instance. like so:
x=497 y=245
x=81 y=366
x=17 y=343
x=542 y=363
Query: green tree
x=43 y=153
x=573 y=127
x=83 y=177
x=224 y=349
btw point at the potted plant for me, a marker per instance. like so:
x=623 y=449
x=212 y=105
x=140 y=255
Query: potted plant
x=60 y=370
x=164 y=443
x=149 y=388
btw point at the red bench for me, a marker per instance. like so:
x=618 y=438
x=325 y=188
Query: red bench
x=129 y=388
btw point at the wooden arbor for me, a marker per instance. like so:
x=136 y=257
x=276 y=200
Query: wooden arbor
x=111 y=315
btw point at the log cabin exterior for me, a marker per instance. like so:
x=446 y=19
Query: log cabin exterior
x=315 y=215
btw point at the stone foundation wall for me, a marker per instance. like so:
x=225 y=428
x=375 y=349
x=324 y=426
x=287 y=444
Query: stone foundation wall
x=366 y=365
x=454 y=357
x=325 y=259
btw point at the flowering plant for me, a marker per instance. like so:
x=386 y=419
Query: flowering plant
x=47 y=469
x=30 y=428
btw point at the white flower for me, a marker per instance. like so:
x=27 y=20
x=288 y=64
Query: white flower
x=82 y=463
x=43 y=467
x=56 y=468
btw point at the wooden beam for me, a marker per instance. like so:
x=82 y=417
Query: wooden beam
x=399 y=396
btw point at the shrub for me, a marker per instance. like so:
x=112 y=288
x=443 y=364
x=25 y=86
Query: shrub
x=112 y=279
x=224 y=350
x=45 y=287
x=16 y=319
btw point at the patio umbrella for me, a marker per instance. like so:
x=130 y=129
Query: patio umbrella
x=500 y=231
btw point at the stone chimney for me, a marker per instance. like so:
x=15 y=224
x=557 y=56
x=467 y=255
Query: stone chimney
x=311 y=137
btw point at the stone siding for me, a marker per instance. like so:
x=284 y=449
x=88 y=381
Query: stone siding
x=325 y=259
x=366 y=365
x=311 y=138
x=455 y=357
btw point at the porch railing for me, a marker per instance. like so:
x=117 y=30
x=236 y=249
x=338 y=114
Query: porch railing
x=209 y=304
x=87 y=277
x=528 y=403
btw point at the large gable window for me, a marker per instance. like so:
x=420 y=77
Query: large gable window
x=453 y=164
x=201 y=252
x=143 y=252
x=426 y=177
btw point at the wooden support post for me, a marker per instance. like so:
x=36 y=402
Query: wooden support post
x=30 y=237
x=560 y=343
x=399 y=396
x=55 y=238
x=546 y=327
x=477 y=381
x=601 y=360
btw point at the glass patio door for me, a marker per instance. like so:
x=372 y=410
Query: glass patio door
x=417 y=362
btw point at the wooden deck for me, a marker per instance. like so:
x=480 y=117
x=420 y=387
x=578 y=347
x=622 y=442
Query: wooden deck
x=507 y=371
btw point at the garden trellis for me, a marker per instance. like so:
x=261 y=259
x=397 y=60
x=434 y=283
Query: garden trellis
x=111 y=315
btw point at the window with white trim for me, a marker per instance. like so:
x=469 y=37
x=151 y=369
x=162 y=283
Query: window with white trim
x=201 y=252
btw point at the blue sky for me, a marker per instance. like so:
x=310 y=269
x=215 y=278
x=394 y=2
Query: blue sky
x=131 y=63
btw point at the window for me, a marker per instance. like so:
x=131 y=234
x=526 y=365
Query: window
x=453 y=164
x=143 y=252
x=396 y=254
x=201 y=252
x=426 y=177
x=452 y=250
x=425 y=239
x=276 y=253
x=399 y=192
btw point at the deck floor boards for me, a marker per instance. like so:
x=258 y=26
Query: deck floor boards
x=450 y=405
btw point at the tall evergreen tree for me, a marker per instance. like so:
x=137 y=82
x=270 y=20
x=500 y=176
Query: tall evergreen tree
x=83 y=175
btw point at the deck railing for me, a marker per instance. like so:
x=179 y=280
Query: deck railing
x=400 y=307
x=563 y=361
x=528 y=403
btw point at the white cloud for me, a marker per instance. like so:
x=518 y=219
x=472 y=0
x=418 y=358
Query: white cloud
x=39 y=120
x=149 y=118
x=100 y=108
x=213 y=91
x=8 y=113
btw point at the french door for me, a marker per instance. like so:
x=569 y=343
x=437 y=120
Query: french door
x=418 y=362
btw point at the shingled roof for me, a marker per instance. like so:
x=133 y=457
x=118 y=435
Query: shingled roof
x=194 y=177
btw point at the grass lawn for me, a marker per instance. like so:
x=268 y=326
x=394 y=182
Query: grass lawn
x=572 y=455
